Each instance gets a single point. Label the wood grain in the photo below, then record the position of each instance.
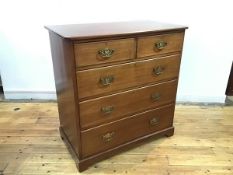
(206, 148)
(96, 61)
(127, 75)
(87, 53)
(140, 125)
(146, 45)
(137, 100)
(66, 88)
(112, 29)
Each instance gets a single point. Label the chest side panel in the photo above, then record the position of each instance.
(65, 80)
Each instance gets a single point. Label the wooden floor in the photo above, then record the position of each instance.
(202, 144)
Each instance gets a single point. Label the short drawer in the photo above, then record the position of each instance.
(109, 108)
(110, 135)
(159, 44)
(94, 82)
(104, 52)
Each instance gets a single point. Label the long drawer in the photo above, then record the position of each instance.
(159, 44)
(104, 51)
(109, 108)
(113, 134)
(98, 81)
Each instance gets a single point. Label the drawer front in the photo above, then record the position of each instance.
(109, 108)
(159, 44)
(109, 79)
(108, 136)
(103, 52)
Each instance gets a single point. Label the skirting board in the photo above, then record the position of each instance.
(202, 99)
(51, 95)
(39, 95)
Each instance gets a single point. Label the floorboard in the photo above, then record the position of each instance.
(202, 144)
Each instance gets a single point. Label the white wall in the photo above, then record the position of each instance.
(25, 59)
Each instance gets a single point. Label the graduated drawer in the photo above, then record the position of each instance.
(93, 53)
(159, 44)
(113, 134)
(97, 81)
(109, 108)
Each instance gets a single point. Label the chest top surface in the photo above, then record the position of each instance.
(113, 29)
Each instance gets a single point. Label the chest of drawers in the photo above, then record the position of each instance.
(116, 84)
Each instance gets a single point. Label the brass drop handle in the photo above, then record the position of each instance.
(107, 109)
(158, 70)
(108, 136)
(106, 53)
(154, 121)
(160, 45)
(155, 96)
(107, 80)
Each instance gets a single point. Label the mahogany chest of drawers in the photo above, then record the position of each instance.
(116, 84)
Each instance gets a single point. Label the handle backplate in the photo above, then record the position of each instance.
(155, 96)
(160, 45)
(107, 109)
(106, 53)
(158, 70)
(108, 136)
(154, 121)
(107, 80)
